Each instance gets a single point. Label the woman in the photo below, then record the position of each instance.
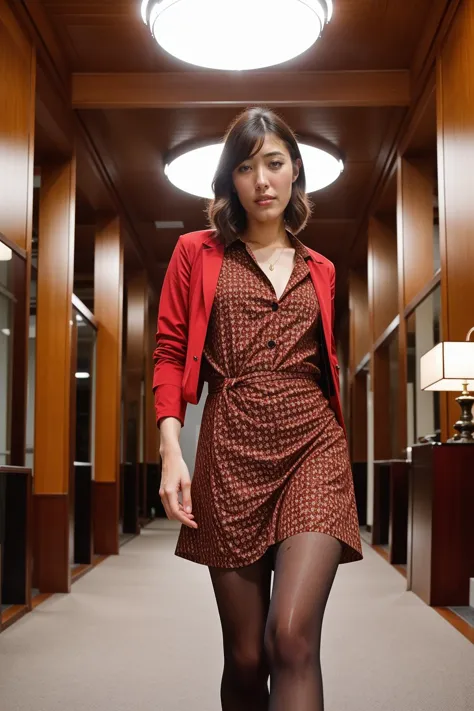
(249, 309)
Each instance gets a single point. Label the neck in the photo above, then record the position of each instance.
(266, 234)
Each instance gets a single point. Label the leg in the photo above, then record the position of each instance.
(243, 598)
(305, 568)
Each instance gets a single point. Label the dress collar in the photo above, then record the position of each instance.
(300, 248)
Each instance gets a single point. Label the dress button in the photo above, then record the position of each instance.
(271, 344)
(195, 357)
(274, 306)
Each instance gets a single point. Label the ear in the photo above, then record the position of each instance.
(296, 168)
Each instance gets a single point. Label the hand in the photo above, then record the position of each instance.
(175, 478)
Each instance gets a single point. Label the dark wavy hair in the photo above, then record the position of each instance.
(244, 139)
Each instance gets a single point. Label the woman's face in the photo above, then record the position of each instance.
(264, 182)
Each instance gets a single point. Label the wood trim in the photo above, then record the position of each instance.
(424, 293)
(206, 89)
(105, 507)
(438, 23)
(84, 311)
(363, 364)
(387, 333)
(402, 332)
(52, 572)
(417, 114)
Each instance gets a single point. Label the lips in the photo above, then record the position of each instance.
(265, 200)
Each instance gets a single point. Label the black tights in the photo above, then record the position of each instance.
(277, 637)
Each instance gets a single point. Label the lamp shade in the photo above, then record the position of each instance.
(448, 366)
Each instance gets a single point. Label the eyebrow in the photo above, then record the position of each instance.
(274, 153)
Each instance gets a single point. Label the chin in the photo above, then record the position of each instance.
(269, 215)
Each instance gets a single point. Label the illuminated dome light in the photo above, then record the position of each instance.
(193, 171)
(221, 34)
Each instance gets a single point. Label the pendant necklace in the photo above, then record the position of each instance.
(272, 266)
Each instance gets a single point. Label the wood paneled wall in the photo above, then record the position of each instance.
(455, 77)
(359, 318)
(17, 121)
(358, 440)
(415, 219)
(382, 277)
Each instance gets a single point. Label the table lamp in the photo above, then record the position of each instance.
(449, 366)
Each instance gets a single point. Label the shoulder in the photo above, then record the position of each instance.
(323, 260)
(192, 240)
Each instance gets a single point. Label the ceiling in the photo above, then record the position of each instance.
(132, 140)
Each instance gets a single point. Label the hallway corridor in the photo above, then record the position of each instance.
(141, 632)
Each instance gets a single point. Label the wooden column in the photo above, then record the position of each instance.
(17, 128)
(53, 377)
(455, 77)
(108, 310)
(17, 121)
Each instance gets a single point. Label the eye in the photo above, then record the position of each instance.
(276, 164)
(243, 168)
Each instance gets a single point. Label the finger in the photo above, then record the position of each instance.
(175, 510)
(185, 512)
(186, 491)
(185, 520)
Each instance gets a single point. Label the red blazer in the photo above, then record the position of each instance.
(185, 306)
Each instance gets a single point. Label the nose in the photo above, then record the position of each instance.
(261, 180)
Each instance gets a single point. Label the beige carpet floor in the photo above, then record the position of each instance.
(141, 633)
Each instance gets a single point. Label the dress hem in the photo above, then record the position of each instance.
(349, 553)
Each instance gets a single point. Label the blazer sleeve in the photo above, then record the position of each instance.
(169, 356)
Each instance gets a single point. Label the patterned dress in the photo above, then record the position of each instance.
(272, 460)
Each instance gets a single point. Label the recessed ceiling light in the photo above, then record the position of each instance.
(193, 172)
(169, 225)
(215, 33)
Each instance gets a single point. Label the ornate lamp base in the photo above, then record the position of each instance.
(465, 425)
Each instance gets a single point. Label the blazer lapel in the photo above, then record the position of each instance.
(322, 288)
(212, 258)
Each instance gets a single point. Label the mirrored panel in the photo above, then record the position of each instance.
(423, 332)
(7, 301)
(84, 375)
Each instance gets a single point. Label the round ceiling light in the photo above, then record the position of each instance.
(193, 171)
(236, 34)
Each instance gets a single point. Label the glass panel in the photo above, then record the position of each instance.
(30, 414)
(85, 379)
(393, 395)
(6, 350)
(423, 332)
